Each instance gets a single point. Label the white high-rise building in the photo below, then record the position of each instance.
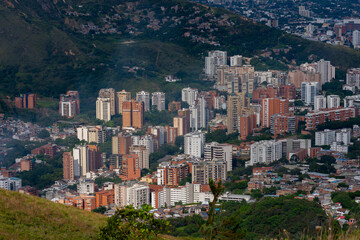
(81, 160)
(353, 77)
(333, 101)
(236, 61)
(265, 152)
(199, 114)
(219, 151)
(319, 103)
(83, 133)
(210, 67)
(132, 193)
(214, 59)
(103, 109)
(325, 137)
(194, 144)
(189, 95)
(343, 136)
(356, 38)
(326, 71)
(148, 142)
(144, 97)
(158, 100)
(308, 91)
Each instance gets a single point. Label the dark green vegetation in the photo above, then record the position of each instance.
(339, 124)
(322, 165)
(130, 223)
(28, 217)
(47, 47)
(266, 218)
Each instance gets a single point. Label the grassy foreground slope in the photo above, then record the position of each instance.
(29, 217)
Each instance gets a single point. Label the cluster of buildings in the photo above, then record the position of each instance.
(330, 23)
(26, 101)
(338, 140)
(268, 151)
(110, 103)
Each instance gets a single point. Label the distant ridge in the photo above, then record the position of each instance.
(43, 48)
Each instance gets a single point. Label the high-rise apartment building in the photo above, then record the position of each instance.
(148, 141)
(92, 134)
(202, 171)
(319, 103)
(282, 124)
(353, 77)
(81, 160)
(133, 114)
(158, 100)
(132, 193)
(271, 106)
(27, 101)
(326, 71)
(265, 152)
(217, 151)
(213, 60)
(247, 123)
(94, 158)
(179, 124)
(69, 104)
(236, 61)
(68, 166)
(333, 101)
(186, 114)
(103, 109)
(130, 169)
(356, 39)
(343, 136)
(325, 137)
(287, 91)
(236, 105)
(328, 137)
(189, 95)
(297, 77)
(308, 92)
(145, 98)
(109, 93)
(121, 144)
(143, 154)
(199, 114)
(121, 97)
(194, 144)
(341, 114)
(172, 173)
(171, 134)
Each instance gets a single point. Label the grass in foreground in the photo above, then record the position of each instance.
(29, 217)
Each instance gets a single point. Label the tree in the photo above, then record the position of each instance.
(43, 134)
(131, 223)
(100, 210)
(209, 229)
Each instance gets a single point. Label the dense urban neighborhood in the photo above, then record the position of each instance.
(262, 133)
(180, 118)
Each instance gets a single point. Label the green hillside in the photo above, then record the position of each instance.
(29, 217)
(49, 47)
